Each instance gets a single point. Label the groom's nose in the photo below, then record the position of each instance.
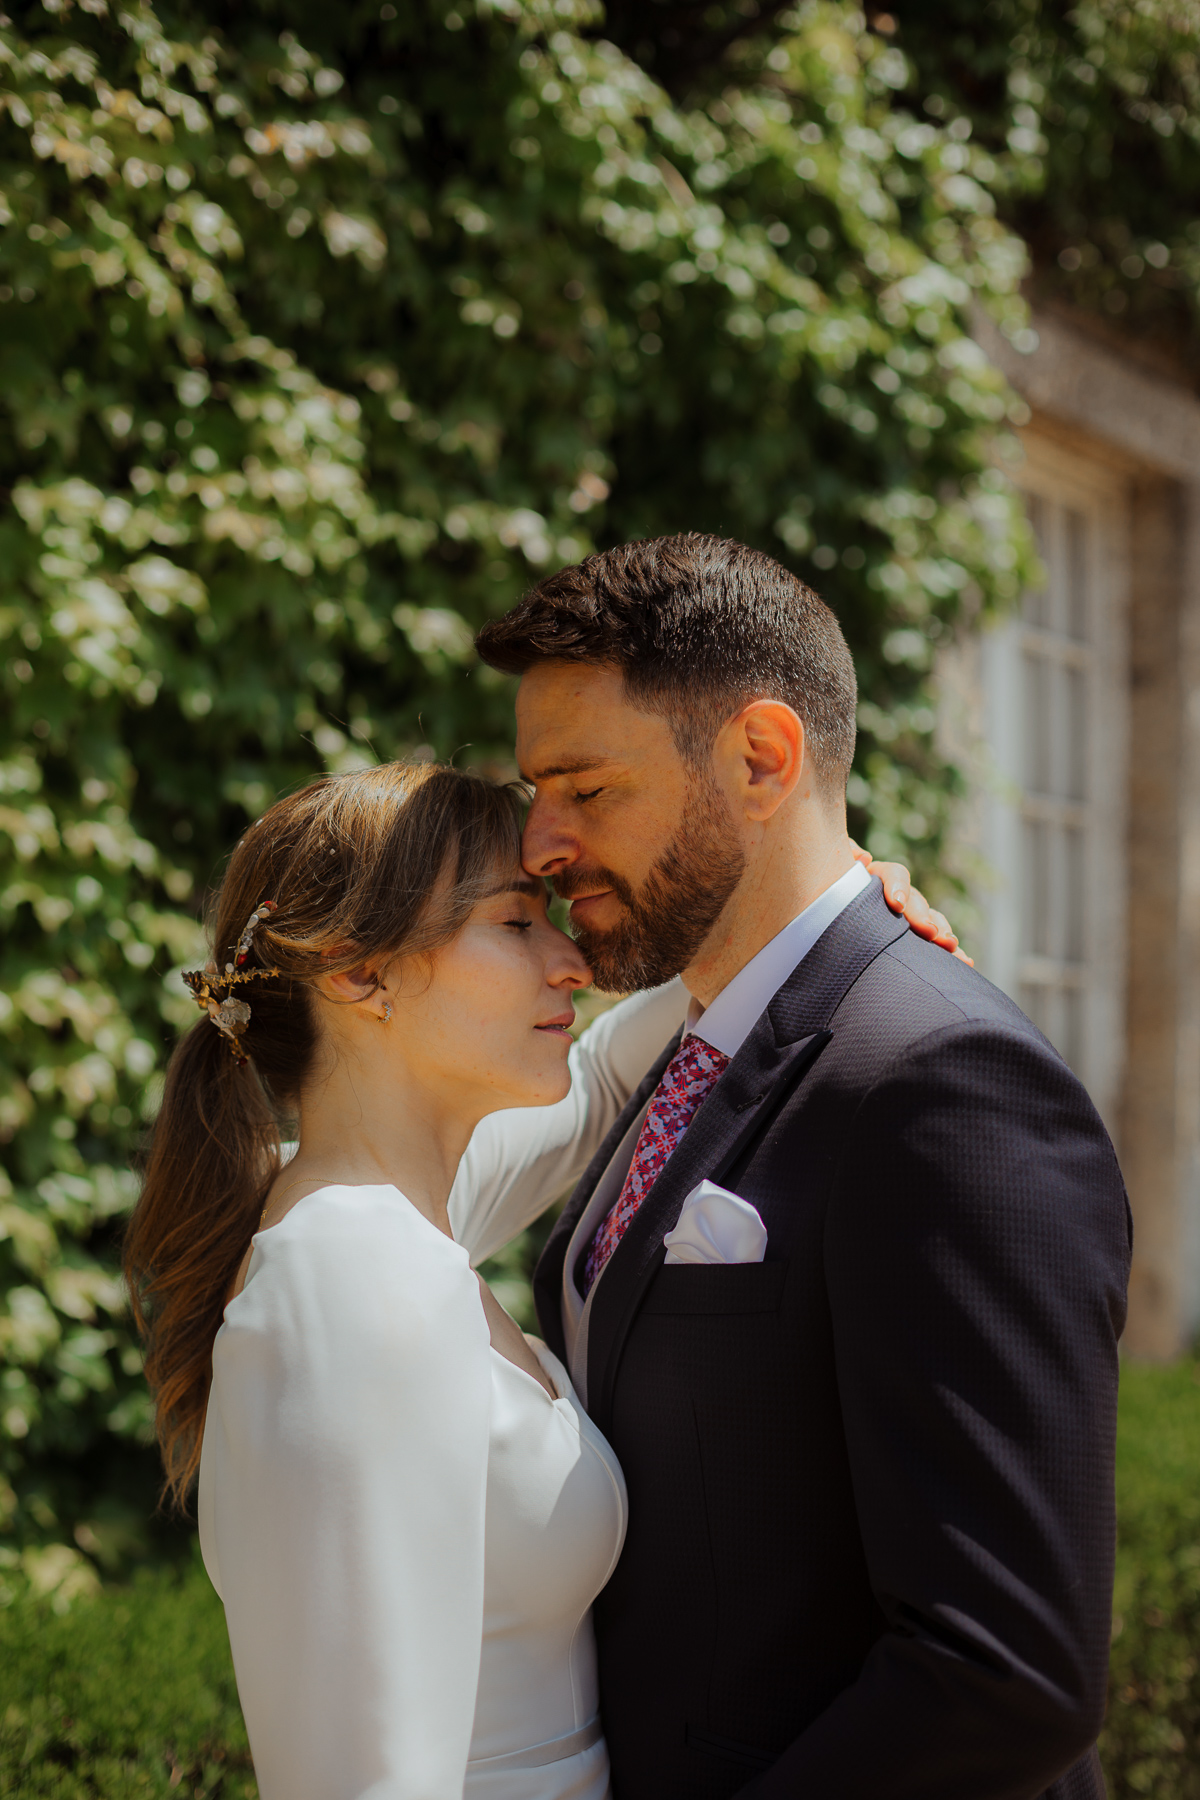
(547, 846)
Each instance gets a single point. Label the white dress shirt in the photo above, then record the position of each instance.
(725, 1025)
(728, 1022)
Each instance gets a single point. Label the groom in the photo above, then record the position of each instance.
(871, 1475)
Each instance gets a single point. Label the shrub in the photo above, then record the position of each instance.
(1151, 1743)
(131, 1691)
(127, 1694)
(1092, 115)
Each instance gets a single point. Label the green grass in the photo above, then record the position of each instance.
(132, 1693)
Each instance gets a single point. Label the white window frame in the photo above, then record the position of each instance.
(1064, 479)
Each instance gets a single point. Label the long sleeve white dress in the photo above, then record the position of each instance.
(406, 1530)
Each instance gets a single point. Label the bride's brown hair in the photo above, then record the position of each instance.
(363, 868)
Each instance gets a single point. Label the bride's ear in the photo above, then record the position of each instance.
(354, 984)
(351, 986)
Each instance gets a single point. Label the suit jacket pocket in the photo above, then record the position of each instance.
(747, 1754)
(717, 1288)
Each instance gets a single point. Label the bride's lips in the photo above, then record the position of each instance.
(559, 1026)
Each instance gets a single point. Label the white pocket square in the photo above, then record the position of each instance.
(716, 1226)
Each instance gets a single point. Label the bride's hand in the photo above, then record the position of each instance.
(903, 897)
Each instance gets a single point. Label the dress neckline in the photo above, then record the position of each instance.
(558, 1398)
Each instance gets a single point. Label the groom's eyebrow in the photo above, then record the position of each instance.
(580, 766)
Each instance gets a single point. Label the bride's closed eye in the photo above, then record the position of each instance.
(520, 924)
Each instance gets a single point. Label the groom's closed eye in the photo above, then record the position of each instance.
(590, 795)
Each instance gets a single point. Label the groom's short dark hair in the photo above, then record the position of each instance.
(698, 626)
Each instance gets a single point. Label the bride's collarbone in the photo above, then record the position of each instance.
(509, 1341)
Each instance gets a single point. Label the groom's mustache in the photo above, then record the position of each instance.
(570, 883)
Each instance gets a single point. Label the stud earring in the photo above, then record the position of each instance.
(387, 1013)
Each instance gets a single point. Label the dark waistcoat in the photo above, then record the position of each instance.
(871, 1533)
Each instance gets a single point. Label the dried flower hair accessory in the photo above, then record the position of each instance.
(252, 924)
(230, 1015)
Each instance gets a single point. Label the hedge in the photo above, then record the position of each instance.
(125, 1695)
(1152, 1742)
(130, 1691)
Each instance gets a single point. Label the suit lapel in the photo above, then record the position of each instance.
(548, 1275)
(732, 1114)
(776, 1056)
(816, 987)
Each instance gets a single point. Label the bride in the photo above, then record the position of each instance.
(402, 1506)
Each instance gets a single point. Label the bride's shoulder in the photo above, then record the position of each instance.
(356, 1310)
(364, 1255)
(349, 1211)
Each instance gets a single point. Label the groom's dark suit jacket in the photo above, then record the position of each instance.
(870, 1479)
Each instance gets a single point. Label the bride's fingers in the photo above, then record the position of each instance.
(861, 855)
(902, 897)
(919, 914)
(924, 921)
(936, 927)
(946, 937)
(897, 882)
(928, 923)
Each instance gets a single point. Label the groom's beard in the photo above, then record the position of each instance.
(668, 918)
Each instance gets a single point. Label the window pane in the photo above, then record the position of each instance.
(1058, 1014)
(1040, 1003)
(1070, 1041)
(1036, 916)
(1033, 1001)
(1075, 689)
(1036, 695)
(1034, 600)
(1074, 933)
(1076, 621)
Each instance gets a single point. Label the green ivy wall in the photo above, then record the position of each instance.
(323, 331)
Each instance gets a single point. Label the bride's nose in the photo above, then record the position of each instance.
(566, 968)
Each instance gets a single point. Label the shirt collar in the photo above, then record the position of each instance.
(728, 1022)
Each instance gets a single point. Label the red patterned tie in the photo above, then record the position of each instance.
(686, 1080)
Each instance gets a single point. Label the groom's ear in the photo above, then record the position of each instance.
(761, 750)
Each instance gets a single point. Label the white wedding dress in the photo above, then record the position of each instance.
(406, 1530)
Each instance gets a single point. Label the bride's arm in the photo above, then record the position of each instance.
(342, 1500)
(518, 1162)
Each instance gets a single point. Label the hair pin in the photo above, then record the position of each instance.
(230, 1015)
(261, 912)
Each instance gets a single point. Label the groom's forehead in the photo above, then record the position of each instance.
(575, 717)
(587, 689)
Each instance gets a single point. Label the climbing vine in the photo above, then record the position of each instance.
(323, 331)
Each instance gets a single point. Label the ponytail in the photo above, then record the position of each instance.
(212, 1160)
(346, 875)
